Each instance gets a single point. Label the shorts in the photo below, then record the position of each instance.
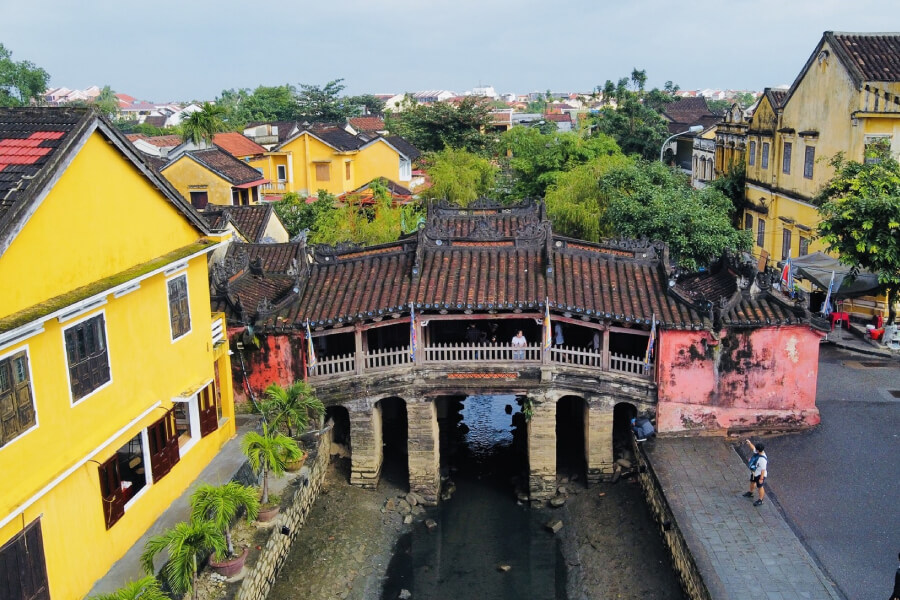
(756, 479)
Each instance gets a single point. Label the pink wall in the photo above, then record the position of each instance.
(754, 378)
(273, 362)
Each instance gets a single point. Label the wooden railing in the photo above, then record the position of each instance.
(334, 365)
(484, 353)
(218, 328)
(387, 358)
(443, 354)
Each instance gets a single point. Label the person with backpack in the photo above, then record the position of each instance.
(758, 463)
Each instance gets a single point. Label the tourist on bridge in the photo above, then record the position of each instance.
(473, 335)
(759, 463)
(519, 341)
(642, 428)
(558, 333)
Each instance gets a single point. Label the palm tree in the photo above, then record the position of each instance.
(202, 125)
(269, 452)
(187, 544)
(293, 405)
(221, 504)
(146, 588)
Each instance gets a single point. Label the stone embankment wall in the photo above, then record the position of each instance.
(261, 576)
(691, 581)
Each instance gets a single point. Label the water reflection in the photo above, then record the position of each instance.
(482, 527)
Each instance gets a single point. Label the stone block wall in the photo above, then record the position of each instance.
(424, 451)
(691, 581)
(261, 575)
(542, 449)
(367, 453)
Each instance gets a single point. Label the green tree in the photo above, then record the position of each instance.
(373, 223)
(146, 588)
(293, 406)
(441, 125)
(201, 126)
(296, 214)
(860, 211)
(107, 103)
(272, 103)
(459, 176)
(221, 504)
(187, 544)
(537, 159)
(732, 184)
(577, 205)
(20, 82)
(650, 200)
(269, 452)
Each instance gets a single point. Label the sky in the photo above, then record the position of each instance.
(197, 48)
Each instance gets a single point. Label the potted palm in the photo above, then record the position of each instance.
(187, 545)
(290, 409)
(268, 452)
(221, 504)
(146, 588)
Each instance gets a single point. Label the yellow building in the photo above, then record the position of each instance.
(115, 380)
(213, 176)
(731, 140)
(846, 98)
(327, 157)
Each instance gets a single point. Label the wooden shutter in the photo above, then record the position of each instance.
(209, 418)
(16, 405)
(111, 490)
(323, 171)
(163, 446)
(23, 570)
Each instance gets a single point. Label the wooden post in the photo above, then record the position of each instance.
(360, 358)
(605, 358)
(420, 337)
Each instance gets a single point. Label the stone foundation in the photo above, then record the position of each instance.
(367, 452)
(542, 449)
(261, 575)
(424, 451)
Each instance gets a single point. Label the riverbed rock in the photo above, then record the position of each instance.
(615, 476)
(537, 504)
(522, 497)
(504, 568)
(557, 501)
(411, 499)
(624, 463)
(407, 519)
(564, 479)
(430, 524)
(405, 594)
(562, 490)
(390, 504)
(403, 507)
(554, 525)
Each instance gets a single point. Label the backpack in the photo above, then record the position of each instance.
(753, 460)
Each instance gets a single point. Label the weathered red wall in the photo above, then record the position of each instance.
(277, 360)
(759, 378)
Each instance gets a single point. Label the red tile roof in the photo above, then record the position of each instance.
(164, 141)
(250, 221)
(875, 56)
(234, 171)
(237, 145)
(367, 123)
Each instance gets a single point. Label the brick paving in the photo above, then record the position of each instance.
(742, 551)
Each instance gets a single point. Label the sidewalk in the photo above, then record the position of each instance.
(221, 469)
(857, 340)
(742, 551)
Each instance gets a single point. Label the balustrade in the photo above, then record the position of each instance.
(443, 354)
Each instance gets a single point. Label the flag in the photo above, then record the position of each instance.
(548, 335)
(826, 306)
(650, 343)
(310, 352)
(787, 277)
(412, 332)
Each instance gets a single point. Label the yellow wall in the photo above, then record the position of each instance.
(125, 222)
(187, 175)
(377, 160)
(100, 218)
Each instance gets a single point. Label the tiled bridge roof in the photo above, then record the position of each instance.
(482, 258)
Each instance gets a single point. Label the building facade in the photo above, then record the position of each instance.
(115, 381)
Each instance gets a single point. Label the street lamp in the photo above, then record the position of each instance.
(691, 129)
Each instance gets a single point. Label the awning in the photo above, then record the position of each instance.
(252, 183)
(817, 268)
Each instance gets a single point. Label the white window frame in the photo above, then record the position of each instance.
(148, 479)
(405, 169)
(72, 401)
(193, 420)
(281, 172)
(27, 351)
(169, 306)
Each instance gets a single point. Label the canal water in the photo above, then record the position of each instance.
(487, 543)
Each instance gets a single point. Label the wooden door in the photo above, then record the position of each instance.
(23, 570)
(209, 417)
(163, 440)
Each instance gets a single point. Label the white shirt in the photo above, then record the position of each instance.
(519, 340)
(761, 465)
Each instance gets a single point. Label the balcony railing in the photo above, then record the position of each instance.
(274, 186)
(387, 359)
(218, 328)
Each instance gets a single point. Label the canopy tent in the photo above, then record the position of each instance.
(817, 268)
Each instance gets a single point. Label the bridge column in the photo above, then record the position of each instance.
(542, 448)
(599, 439)
(367, 452)
(424, 450)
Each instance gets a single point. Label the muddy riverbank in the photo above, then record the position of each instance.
(608, 547)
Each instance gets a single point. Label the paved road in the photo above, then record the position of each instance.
(839, 485)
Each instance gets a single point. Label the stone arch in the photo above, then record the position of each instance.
(394, 422)
(339, 418)
(623, 412)
(572, 420)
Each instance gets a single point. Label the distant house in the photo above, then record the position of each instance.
(308, 158)
(563, 121)
(213, 176)
(704, 157)
(682, 115)
(367, 124)
(157, 146)
(254, 223)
